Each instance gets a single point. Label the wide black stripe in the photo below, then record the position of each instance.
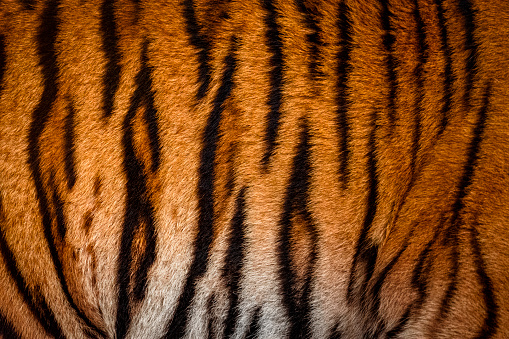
(69, 146)
(35, 301)
(46, 39)
(388, 42)
(178, 323)
(254, 328)
(471, 47)
(234, 262)
(489, 327)
(448, 72)
(296, 205)
(7, 329)
(139, 211)
(111, 77)
(200, 42)
(343, 101)
(274, 100)
(363, 263)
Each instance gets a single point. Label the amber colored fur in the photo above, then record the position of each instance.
(142, 196)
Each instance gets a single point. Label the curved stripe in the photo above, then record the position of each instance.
(177, 324)
(139, 211)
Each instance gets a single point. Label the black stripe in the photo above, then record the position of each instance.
(489, 327)
(388, 42)
(420, 278)
(471, 47)
(364, 260)
(336, 333)
(422, 58)
(274, 100)
(111, 77)
(200, 42)
(7, 329)
(178, 323)
(3, 62)
(139, 211)
(448, 73)
(343, 101)
(234, 262)
(296, 204)
(254, 327)
(28, 4)
(313, 38)
(69, 146)
(452, 232)
(36, 301)
(46, 39)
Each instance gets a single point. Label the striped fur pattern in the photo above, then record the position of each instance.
(254, 169)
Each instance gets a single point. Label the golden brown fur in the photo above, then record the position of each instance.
(379, 210)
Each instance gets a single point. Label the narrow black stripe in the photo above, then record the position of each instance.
(254, 327)
(296, 204)
(343, 101)
(420, 277)
(422, 58)
(234, 262)
(139, 211)
(69, 146)
(144, 82)
(388, 42)
(448, 72)
(336, 333)
(200, 42)
(364, 260)
(46, 39)
(3, 62)
(274, 100)
(58, 205)
(7, 329)
(313, 38)
(178, 322)
(452, 232)
(111, 76)
(36, 303)
(471, 47)
(489, 327)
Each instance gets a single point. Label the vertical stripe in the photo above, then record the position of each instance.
(46, 39)
(296, 204)
(178, 322)
(489, 327)
(111, 77)
(69, 145)
(388, 42)
(234, 262)
(254, 328)
(139, 211)
(452, 232)
(313, 38)
(471, 47)
(364, 259)
(448, 73)
(343, 102)
(202, 44)
(422, 58)
(274, 99)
